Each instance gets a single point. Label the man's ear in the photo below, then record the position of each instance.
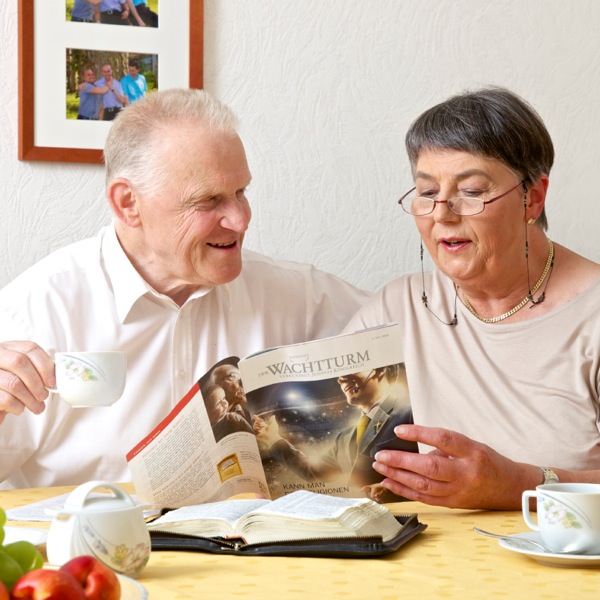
(536, 197)
(122, 200)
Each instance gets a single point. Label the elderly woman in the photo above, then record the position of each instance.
(502, 341)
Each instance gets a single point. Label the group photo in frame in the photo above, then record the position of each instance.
(79, 66)
(100, 83)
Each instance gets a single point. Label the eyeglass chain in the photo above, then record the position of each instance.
(425, 300)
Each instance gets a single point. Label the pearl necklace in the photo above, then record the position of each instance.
(528, 298)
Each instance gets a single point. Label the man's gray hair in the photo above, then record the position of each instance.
(131, 148)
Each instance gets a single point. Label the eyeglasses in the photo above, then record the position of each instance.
(465, 206)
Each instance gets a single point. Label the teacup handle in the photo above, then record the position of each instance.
(527, 494)
(53, 390)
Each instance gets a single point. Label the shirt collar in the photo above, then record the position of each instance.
(374, 408)
(128, 285)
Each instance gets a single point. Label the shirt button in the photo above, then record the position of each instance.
(181, 373)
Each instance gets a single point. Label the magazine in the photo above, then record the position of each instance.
(308, 416)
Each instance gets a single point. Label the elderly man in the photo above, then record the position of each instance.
(168, 283)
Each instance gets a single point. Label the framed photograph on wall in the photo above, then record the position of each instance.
(78, 66)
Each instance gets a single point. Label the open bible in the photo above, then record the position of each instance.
(308, 416)
(299, 523)
(300, 515)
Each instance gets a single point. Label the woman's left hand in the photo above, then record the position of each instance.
(460, 472)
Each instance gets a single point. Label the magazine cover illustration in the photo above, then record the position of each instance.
(323, 435)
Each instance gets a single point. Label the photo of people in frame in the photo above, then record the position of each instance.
(100, 83)
(137, 13)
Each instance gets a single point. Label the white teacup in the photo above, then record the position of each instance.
(568, 516)
(90, 378)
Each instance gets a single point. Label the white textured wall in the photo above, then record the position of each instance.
(325, 90)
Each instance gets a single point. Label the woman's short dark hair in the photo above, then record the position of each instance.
(492, 122)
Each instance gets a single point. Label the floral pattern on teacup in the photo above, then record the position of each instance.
(75, 370)
(132, 560)
(122, 558)
(557, 514)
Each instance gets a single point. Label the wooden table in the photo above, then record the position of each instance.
(447, 560)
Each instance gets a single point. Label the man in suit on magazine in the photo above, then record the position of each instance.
(382, 396)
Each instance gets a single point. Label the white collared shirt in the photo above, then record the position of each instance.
(88, 296)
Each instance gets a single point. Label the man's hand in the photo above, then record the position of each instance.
(25, 371)
(459, 473)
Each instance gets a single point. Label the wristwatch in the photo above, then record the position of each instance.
(549, 475)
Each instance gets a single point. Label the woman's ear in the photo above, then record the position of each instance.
(122, 200)
(536, 197)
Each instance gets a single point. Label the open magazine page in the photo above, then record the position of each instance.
(195, 456)
(322, 410)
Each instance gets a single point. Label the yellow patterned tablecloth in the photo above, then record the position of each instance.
(447, 560)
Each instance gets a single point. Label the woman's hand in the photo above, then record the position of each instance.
(459, 473)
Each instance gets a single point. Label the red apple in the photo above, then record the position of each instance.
(99, 581)
(3, 592)
(47, 584)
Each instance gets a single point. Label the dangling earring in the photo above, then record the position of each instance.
(547, 269)
(529, 222)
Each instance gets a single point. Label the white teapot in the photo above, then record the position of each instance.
(111, 528)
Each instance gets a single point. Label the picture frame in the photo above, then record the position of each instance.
(46, 38)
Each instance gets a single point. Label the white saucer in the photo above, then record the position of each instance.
(132, 589)
(548, 558)
(27, 534)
